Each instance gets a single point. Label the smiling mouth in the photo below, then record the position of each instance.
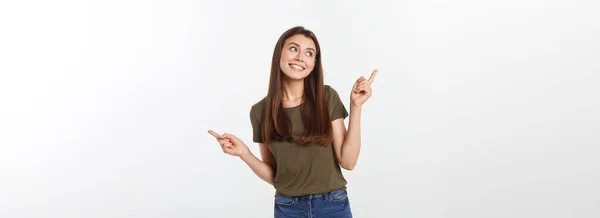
(296, 67)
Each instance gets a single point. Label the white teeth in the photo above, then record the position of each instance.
(296, 67)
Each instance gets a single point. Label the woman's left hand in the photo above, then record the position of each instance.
(361, 91)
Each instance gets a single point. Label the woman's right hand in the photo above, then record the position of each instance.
(230, 144)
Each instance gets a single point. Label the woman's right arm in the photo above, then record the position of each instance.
(264, 169)
(232, 145)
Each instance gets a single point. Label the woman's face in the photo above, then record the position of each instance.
(298, 57)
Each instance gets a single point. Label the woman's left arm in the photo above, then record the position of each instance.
(347, 143)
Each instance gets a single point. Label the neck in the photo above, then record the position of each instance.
(292, 89)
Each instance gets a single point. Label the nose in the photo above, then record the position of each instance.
(298, 57)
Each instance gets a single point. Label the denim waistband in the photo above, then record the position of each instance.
(325, 195)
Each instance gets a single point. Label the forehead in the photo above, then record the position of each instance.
(301, 40)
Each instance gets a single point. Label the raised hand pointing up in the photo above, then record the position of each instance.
(361, 91)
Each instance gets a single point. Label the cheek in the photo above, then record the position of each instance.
(283, 58)
(310, 64)
(285, 55)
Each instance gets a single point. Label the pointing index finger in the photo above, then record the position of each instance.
(216, 135)
(372, 77)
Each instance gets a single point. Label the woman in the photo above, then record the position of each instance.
(303, 164)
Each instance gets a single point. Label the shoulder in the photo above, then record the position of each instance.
(260, 104)
(258, 107)
(329, 89)
(334, 103)
(330, 92)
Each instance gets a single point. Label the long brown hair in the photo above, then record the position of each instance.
(315, 116)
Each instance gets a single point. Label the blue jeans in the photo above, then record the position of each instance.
(331, 204)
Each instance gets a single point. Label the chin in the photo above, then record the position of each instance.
(294, 75)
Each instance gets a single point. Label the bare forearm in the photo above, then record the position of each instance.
(351, 145)
(261, 169)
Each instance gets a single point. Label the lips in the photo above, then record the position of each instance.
(296, 67)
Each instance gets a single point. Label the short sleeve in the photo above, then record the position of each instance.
(256, 115)
(334, 104)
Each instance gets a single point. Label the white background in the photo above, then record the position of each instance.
(480, 108)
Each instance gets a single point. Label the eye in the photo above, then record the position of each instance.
(309, 54)
(293, 49)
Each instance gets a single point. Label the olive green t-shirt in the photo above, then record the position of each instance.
(303, 169)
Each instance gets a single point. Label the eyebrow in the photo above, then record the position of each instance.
(299, 46)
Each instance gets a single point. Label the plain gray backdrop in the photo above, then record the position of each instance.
(479, 109)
